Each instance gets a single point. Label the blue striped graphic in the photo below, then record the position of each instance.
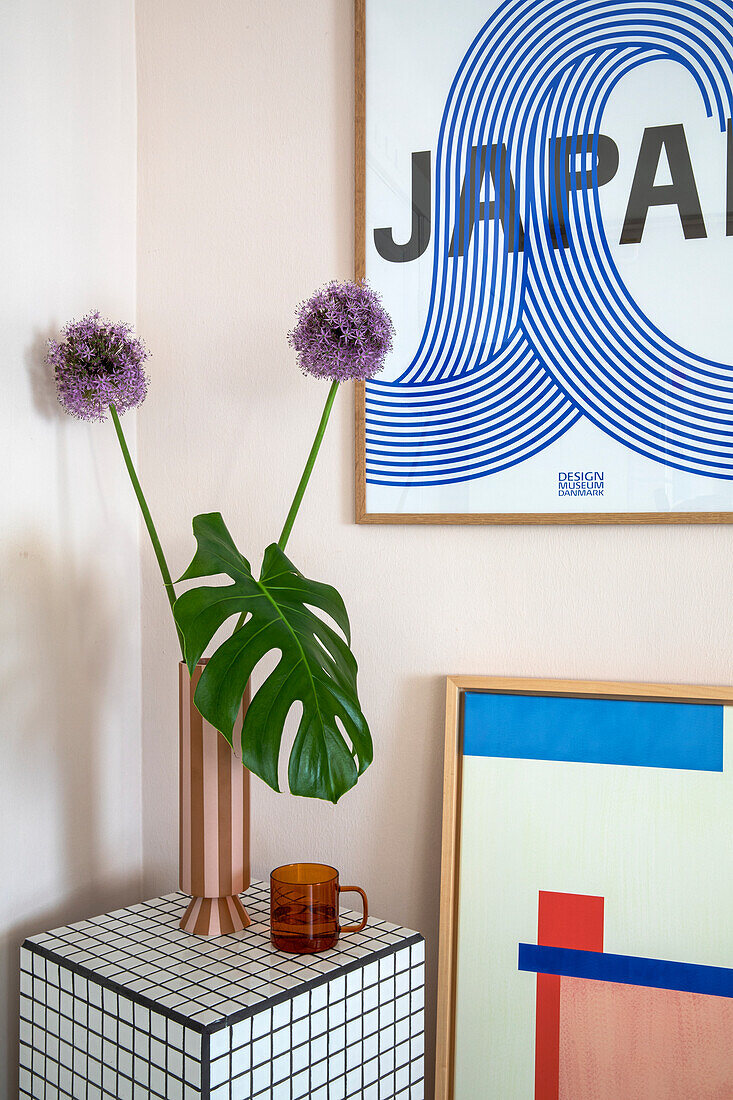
(600, 966)
(518, 345)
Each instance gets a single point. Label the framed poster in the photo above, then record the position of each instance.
(586, 946)
(544, 199)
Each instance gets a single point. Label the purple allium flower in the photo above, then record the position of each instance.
(343, 332)
(96, 364)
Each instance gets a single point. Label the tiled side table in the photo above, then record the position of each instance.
(126, 1006)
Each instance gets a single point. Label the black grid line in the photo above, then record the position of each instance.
(345, 1025)
(140, 952)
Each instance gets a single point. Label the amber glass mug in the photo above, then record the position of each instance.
(304, 908)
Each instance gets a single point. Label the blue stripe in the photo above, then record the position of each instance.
(712, 981)
(594, 731)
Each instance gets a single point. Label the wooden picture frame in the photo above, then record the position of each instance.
(719, 510)
(461, 688)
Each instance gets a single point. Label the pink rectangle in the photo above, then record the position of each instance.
(633, 1041)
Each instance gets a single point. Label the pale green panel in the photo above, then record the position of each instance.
(655, 843)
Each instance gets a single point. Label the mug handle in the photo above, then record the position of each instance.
(355, 927)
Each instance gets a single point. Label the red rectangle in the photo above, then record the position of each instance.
(563, 920)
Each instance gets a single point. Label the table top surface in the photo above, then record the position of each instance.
(140, 951)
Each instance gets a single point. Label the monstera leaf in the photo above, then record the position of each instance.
(316, 666)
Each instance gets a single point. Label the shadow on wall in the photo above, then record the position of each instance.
(54, 656)
(40, 375)
(56, 650)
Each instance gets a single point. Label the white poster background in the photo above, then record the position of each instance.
(413, 49)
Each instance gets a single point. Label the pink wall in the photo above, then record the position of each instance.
(245, 206)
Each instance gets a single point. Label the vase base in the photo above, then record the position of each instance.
(215, 917)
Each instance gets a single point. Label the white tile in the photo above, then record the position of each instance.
(370, 1022)
(261, 1077)
(336, 989)
(157, 1080)
(300, 1032)
(80, 1037)
(417, 1023)
(241, 1059)
(281, 1067)
(417, 952)
(354, 1056)
(386, 990)
(402, 959)
(371, 1070)
(192, 1071)
(205, 1017)
(261, 1050)
(355, 1029)
(354, 981)
(220, 1070)
(387, 1037)
(319, 1048)
(219, 1042)
(319, 1022)
(300, 1057)
(402, 1078)
(281, 1014)
(386, 966)
(371, 973)
(241, 1032)
(318, 1074)
(402, 1030)
(261, 1024)
(386, 1061)
(300, 1085)
(353, 1082)
(157, 1025)
(402, 1054)
(157, 1052)
(141, 1070)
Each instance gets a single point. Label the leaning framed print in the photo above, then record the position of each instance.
(544, 200)
(586, 945)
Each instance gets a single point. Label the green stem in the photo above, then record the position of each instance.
(164, 571)
(303, 484)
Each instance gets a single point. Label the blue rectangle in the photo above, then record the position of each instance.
(713, 981)
(594, 731)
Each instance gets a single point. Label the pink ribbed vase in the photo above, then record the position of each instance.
(213, 818)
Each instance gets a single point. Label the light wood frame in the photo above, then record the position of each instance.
(457, 686)
(360, 510)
